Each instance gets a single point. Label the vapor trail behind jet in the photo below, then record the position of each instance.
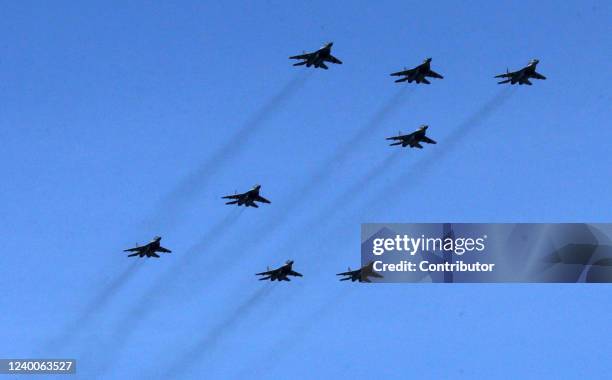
(164, 286)
(173, 204)
(324, 171)
(344, 200)
(376, 120)
(294, 336)
(209, 341)
(97, 303)
(423, 166)
(321, 174)
(372, 177)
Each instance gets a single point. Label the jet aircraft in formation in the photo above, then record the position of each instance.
(317, 58)
(360, 274)
(418, 74)
(247, 199)
(523, 75)
(148, 250)
(279, 274)
(413, 139)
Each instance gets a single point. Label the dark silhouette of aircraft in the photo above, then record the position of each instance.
(279, 274)
(413, 139)
(523, 75)
(247, 199)
(418, 74)
(317, 58)
(148, 250)
(360, 274)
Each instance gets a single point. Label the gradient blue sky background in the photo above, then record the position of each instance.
(122, 121)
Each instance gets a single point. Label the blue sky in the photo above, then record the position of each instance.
(123, 121)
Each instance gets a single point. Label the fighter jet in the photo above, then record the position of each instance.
(418, 73)
(317, 58)
(149, 249)
(413, 139)
(360, 274)
(247, 199)
(279, 274)
(522, 76)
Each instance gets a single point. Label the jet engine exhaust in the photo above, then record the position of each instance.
(173, 204)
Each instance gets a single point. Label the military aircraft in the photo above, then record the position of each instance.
(413, 139)
(247, 199)
(149, 249)
(317, 58)
(418, 74)
(279, 274)
(360, 274)
(522, 76)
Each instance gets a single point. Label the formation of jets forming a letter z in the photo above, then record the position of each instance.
(319, 59)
